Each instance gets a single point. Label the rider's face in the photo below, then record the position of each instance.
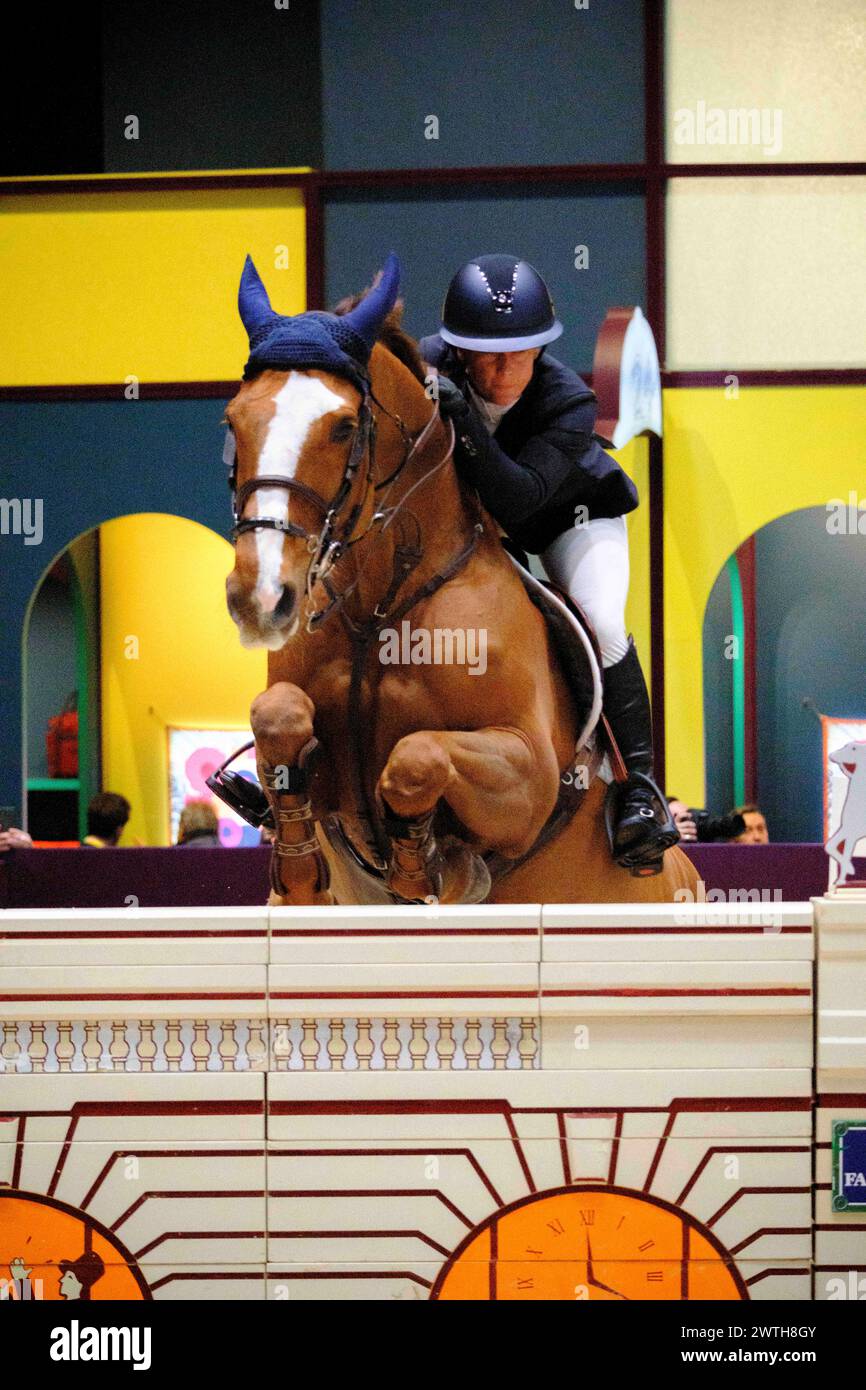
(500, 377)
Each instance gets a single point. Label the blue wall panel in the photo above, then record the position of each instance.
(539, 83)
(90, 462)
(434, 232)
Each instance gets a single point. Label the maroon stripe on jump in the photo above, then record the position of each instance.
(392, 1153)
(771, 1231)
(755, 1192)
(738, 1148)
(146, 1107)
(149, 995)
(733, 929)
(136, 935)
(163, 1153)
(768, 1273)
(302, 1194)
(198, 1235)
(563, 1148)
(685, 1104)
(359, 1235)
(333, 1274)
(207, 1274)
(19, 1150)
(182, 1196)
(665, 993)
(299, 934)
(432, 993)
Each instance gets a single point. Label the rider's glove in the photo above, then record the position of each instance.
(471, 436)
(453, 405)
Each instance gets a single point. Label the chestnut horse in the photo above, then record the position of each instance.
(354, 532)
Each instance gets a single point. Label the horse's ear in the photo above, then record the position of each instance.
(368, 316)
(254, 306)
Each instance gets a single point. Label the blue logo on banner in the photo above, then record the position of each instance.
(849, 1165)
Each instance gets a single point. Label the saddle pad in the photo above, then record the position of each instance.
(570, 640)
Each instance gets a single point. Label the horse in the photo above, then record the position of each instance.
(852, 824)
(406, 778)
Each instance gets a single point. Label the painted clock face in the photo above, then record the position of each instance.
(590, 1242)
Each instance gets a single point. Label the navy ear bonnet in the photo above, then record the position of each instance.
(328, 342)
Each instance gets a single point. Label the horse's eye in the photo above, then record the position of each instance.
(343, 430)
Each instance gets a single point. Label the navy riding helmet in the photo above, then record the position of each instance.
(498, 304)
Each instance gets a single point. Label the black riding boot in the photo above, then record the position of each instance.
(642, 828)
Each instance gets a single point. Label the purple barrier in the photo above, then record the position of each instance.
(155, 877)
(239, 877)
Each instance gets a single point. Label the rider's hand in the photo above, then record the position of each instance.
(453, 405)
(13, 838)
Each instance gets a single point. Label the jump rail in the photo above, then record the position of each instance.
(345, 1103)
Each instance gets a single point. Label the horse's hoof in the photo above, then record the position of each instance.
(473, 881)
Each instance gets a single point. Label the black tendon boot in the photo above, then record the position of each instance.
(639, 822)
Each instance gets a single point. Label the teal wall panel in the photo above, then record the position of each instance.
(539, 83)
(435, 230)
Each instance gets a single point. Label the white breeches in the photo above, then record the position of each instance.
(591, 563)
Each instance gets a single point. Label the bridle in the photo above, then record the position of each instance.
(336, 535)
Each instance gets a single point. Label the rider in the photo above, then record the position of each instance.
(524, 427)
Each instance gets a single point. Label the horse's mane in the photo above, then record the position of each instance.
(393, 335)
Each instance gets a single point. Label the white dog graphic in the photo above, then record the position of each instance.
(852, 826)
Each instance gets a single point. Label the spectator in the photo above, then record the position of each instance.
(199, 826)
(682, 818)
(107, 815)
(756, 832)
(13, 838)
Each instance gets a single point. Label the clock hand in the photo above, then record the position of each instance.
(595, 1283)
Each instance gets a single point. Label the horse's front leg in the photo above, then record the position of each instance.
(501, 785)
(281, 719)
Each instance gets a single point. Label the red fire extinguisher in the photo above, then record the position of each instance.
(61, 740)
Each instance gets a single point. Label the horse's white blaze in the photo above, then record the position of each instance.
(299, 404)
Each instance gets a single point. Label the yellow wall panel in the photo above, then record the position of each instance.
(766, 272)
(804, 60)
(170, 656)
(100, 286)
(731, 466)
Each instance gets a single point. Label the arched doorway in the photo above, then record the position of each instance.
(131, 618)
(784, 639)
